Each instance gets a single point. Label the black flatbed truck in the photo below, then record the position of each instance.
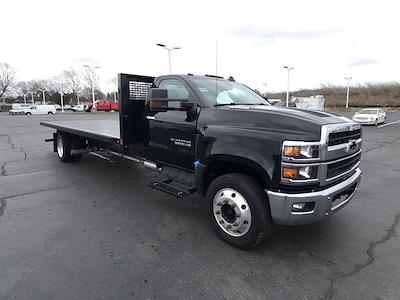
(255, 164)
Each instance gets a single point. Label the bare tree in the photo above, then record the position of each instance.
(58, 84)
(73, 82)
(114, 82)
(92, 80)
(7, 77)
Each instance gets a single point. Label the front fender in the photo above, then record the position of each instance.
(254, 147)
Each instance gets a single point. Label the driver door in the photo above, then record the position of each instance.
(172, 133)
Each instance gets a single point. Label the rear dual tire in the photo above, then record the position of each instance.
(238, 210)
(64, 147)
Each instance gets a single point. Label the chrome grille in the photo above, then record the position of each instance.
(337, 138)
(340, 167)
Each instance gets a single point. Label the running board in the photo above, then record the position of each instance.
(167, 187)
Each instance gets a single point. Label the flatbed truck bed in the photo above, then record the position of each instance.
(107, 131)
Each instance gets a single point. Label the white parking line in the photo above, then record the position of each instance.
(387, 124)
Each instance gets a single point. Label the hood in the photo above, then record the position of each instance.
(316, 117)
(291, 123)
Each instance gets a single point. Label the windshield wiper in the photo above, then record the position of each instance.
(223, 104)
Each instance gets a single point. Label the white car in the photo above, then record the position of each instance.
(81, 107)
(372, 116)
(35, 110)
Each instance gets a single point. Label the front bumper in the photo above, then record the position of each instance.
(325, 202)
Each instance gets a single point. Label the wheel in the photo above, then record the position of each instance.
(49, 113)
(238, 210)
(64, 148)
(376, 122)
(28, 113)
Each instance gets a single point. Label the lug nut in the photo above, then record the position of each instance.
(217, 212)
(221, 222)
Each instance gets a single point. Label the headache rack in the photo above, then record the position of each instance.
(133, 91)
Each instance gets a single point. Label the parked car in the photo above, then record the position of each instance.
(57, 107)
(81, 108)
(67, 107)
(371, 116)
(107, 105)
(35, 110)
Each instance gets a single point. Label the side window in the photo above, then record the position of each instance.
(176, 89)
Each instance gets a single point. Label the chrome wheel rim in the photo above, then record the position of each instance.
(232, 212)
(60, 148)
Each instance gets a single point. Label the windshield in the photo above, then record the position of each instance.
(368, 111)
(219, 91)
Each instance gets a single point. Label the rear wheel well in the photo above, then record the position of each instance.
(218, 168)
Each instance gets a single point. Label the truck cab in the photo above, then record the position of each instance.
(304, 163)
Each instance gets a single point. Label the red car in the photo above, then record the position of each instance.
(106, 105)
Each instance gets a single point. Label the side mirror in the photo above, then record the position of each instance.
(159, 101)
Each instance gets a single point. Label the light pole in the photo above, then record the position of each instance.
(33, 101)
(44, 95)
(62, 98)
(348, 90)
(91, 69)
(169, 49)
(287, 91)
(265, 87)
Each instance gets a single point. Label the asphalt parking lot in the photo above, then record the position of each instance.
(94, 229)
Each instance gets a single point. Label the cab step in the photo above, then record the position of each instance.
(174, 188)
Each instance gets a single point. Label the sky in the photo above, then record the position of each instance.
(324, 41)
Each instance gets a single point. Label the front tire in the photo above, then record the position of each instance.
(238, 210)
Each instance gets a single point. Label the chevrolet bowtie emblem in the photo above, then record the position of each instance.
(351, 145)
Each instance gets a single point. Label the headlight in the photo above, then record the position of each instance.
(305, 151)
(300, 172)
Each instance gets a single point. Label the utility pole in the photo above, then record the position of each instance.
(287, 91)
(24, 99)
(62, 100)
(169, 49)
(348, 90)
(44, 96)
(265, 88)
(33, 101)
(91, 69)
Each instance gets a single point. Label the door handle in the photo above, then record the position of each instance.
(150, 117)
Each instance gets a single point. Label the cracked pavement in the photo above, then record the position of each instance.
(95, 230)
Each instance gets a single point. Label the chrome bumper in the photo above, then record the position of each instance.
(281, 203)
